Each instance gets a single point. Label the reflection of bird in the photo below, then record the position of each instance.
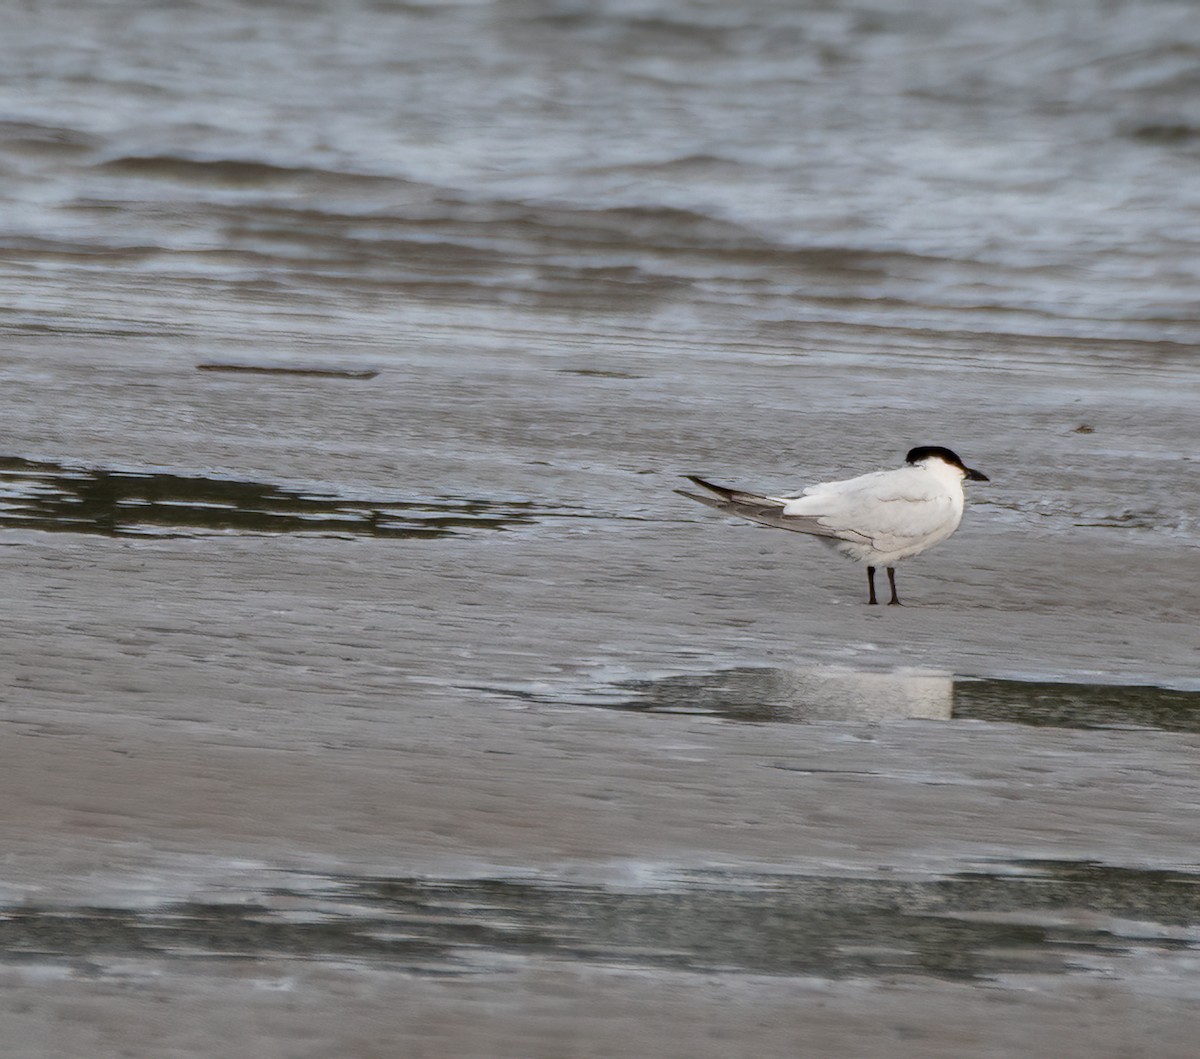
(877, 518)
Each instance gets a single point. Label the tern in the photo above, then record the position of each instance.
(877, 518)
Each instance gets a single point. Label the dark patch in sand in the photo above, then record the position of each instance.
(1051, 705)
(263, 369)
(596, 373)
(55, 497)
(1027, 917)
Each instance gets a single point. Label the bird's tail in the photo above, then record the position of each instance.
(767, 510)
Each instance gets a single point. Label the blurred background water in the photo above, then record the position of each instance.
(847, 176)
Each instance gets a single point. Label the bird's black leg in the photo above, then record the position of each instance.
(871, 583)
(895, 600)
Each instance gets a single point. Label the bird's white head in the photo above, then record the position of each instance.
(934, 456)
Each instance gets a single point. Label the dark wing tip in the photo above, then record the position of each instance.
(712, 487)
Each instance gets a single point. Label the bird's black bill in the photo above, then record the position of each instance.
(976, 476)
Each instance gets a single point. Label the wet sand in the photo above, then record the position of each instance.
(203, 719)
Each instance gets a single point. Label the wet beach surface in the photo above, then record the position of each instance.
(367, 689)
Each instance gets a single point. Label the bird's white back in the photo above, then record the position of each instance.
(886, 516)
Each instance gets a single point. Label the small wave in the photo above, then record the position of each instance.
(1167, 132)
(32, 137)
(701, 163)
(229, 172)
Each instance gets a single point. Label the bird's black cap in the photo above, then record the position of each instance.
(925, 452)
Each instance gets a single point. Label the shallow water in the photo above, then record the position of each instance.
(1060, 918)
(56, 498)
(356, 645)
(795, 696)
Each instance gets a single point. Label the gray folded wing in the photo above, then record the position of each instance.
(765, 510)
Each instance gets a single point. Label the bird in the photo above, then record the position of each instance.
(878, 518)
